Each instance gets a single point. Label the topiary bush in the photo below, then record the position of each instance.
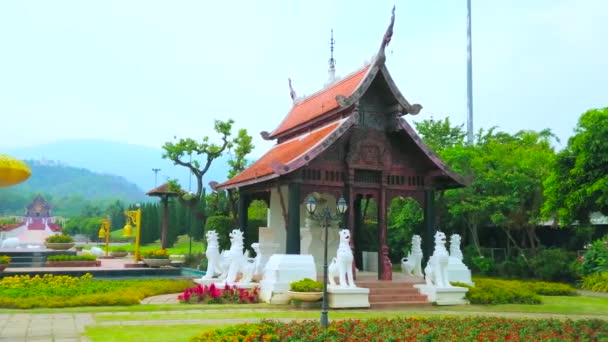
(65, 257)
(62, 238)
(222, 225)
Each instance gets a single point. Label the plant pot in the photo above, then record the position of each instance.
(305, 296)
(3, 266)
(119, 254)
(157, 262)
(59, 246)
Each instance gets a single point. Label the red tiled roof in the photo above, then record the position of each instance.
(282, 153)
(320, 103)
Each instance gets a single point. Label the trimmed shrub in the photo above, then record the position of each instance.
(222, 225)
(66, 257)
(63, 238)
(306, 285)
(494, 291)
(596, 282)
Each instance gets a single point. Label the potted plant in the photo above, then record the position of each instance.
(4, 261)
(306, 290)
(59, 242)
(157, 258)
(119, 252)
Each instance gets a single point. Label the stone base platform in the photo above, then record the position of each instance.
(347, 297)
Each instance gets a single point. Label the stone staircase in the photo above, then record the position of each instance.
(398, 293)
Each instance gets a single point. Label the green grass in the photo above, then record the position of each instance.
(554, 305)
(146, 333)
(181, 246)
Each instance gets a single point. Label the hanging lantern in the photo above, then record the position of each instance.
(12, 171)
(127, 231)
(102, 232)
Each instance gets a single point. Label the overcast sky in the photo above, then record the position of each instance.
(144, 71)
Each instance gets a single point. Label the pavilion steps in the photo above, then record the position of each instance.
(393, 294)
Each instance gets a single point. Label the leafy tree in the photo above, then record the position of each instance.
(440, 134)
(204, 150)
(404, 218)
(578, 185)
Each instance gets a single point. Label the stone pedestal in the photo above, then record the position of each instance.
(453, 295)
(245, 286)
(370, 261)
(459, 272)
(347, 297)
(280, 271)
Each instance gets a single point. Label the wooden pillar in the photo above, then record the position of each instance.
(358, 227)
(292, 243)
(429, 224)
(243, 215)
(385, 271)
(163, 234)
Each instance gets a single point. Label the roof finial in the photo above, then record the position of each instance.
(388, 34)
(332, 62)
(292, 92)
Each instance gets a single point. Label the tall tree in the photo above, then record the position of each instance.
(238, 162)
(578, 185)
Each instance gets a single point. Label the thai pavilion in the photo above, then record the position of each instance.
(348, 139)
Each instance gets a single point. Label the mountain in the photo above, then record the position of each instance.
(68, 189)
(133, 162)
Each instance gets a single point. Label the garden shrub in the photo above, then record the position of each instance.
(495, 291)
(595, 258)
(482, 265)
(414, 329)
(306, 285)
(5, 259)
(67, 257)
(211, 294)
(596, 282)
(553, 264)
(49, 291)
(62, 238)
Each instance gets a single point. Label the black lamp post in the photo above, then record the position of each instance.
(325, 217)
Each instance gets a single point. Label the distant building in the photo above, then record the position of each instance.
(38, 208)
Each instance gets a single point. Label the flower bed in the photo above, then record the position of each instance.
(49, 291)
(215, 295)
(415, 329)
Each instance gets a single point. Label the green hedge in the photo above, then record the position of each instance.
(66, 257)
(495, 291)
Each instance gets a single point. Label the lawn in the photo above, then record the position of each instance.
(140, 325)
(181, 246)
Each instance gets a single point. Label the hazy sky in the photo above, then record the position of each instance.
(144, 71)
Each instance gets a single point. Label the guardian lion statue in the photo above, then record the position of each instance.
(238, 262)
(214, 262)
(342, 265)
(412, 264)
(436, 268)
(455, 251)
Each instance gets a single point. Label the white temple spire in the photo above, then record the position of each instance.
(332, 62)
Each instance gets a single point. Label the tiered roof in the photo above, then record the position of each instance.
(316, 121)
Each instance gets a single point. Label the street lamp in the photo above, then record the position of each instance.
(104, 233)
(325, 217)
(133, 216)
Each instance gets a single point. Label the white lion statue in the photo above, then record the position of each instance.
(342, 265)
(214, 262)
(238, 262)
(12, 242)
(455, 251)
(436, 268)
(412, 264)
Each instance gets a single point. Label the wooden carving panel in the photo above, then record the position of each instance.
(369, 150)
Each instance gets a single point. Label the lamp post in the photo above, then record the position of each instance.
(325, 217)
(104, 233)
(133, 216)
